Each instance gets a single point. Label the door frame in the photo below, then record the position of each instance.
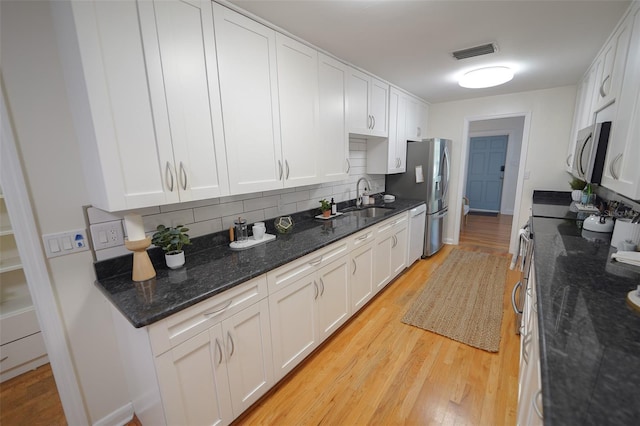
(506, 155)
(464, 154)
(36, 273)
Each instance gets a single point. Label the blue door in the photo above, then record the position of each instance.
(486, 172)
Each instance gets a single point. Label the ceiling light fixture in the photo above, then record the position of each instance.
(486, 77)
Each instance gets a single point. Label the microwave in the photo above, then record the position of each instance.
(590, 152)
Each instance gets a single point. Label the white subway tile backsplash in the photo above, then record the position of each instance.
(217, 214)
(295, 197)
(220, 210)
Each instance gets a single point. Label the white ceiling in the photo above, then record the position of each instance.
(550, 43)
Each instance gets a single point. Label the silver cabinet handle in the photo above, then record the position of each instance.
(208, 314)
(513, 297)
(315, 285)
(569, 159)
(286, 163)
(602, 91)
(370, 126)
(535, 405)
(581, 170)
(233, 346)
(612, 166)
(168, 174)
(525, 342)
(219, 348)
(316, 262)
(355, 266)
(395, 241)
(348, 166)
(322, 285)
(374, 122)
(363, 237)
(4, 358)
(280, 168)
(183, 176)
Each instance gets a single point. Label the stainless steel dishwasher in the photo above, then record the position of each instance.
(417, 219)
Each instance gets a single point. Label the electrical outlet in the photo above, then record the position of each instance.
(107, 234)
(63, 243)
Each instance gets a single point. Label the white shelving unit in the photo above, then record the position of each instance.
(21, 344)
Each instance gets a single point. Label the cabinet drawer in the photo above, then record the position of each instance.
(389, 225)
(292, 271)
(179, 327)
(17, 325)
(21, 351)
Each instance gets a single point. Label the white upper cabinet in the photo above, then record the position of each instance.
(249, 93)
(387, 156)
(149, 136)
(187, 78)
(416, 123)
(299, 114)
(621, 172)
(334, 136)
(367, 100)
(610, 66)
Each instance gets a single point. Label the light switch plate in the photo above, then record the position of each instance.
(67, 242)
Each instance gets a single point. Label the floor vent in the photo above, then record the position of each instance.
(484, 49)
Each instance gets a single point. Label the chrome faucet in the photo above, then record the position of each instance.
(358, 196)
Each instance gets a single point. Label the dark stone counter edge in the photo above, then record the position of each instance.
(400, 206)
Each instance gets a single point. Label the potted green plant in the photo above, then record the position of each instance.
(171, 240)
(577, 185)
(325, 208)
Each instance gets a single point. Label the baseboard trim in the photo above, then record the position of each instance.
(120, 417)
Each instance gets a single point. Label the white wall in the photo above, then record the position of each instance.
(513, 127)
(547, 139)
(38, 107)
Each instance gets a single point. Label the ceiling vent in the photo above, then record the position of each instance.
(484, 49)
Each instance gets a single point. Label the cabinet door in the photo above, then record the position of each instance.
(386, 156)
(333, 302)
(399, 251)
(246, 52)
(621, 172)
(613, 58)
(382, 272)
(104, 56)
(360, 121)
(249, 357)
(361, 281)
(193, 381)
(294, 328)
(334, 136)
(379, 102)
(187, 52)
(298, 97)
(412, 125)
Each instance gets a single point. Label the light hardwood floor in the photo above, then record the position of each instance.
(375, 370)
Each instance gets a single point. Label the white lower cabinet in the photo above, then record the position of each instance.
(390, 254)
(210, 362)
(362, 269)
(213, 377)
(529, 382)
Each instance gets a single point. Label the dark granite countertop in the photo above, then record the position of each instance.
(217, 268)
(589, 336)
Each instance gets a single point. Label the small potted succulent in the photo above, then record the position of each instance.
(325, 208)
(171, 240)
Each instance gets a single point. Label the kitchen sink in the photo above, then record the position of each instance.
(369, 211)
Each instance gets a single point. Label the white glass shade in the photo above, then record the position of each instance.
(486, 77)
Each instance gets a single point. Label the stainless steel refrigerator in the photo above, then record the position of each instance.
(426, 178)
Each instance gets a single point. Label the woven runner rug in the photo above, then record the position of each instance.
(462, 300)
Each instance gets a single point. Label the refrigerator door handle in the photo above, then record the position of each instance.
(448, 162)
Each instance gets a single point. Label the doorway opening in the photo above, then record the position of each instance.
(491, 175)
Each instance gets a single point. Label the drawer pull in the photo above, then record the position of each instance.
(4, 358)
(208, 314)
(363, 237)
(316, 262)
